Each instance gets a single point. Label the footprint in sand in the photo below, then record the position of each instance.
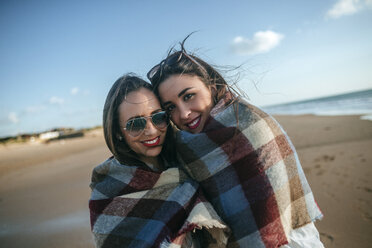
(325, 158)
(367, 216)
(366, 189)
(326, 238)
(361, 207)
(331, 195)
(361, 158)
(318, 166)
(369, 190)
(320, 172)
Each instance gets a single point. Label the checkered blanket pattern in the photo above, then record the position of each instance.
(136, 207)
(250, 172)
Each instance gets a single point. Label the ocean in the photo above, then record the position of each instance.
(355, 103)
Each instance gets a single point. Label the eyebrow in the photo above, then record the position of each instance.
(179, 95)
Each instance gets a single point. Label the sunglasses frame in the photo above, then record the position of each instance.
(146, 118)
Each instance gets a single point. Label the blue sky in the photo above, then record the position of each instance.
(58, 59)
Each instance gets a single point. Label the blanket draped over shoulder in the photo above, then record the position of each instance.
(136, 207)
(250, 172)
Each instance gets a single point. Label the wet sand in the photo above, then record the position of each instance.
(44, 188)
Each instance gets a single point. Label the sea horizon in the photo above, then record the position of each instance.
(352, 103)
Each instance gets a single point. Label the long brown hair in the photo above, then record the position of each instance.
(112, 133)
(192, 65)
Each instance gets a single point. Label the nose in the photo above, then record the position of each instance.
(150, 128)
(184, 112)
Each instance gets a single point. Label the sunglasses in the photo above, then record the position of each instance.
(154, 74)
(137, 125)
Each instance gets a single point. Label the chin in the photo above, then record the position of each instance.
(154, 152)
(196, 130)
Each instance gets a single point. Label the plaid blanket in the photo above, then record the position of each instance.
(136, 207)
(250, 172)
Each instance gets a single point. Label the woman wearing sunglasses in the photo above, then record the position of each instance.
(241, 157)
(139, 197)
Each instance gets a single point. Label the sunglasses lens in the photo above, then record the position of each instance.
(155, 71)
(160, 119)
(173, 59)
(151, 74)
(136, 126)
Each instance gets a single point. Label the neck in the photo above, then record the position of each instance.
(153, 162)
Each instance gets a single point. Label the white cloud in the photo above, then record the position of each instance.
(343, 7)
(56, 100)
(74, 90)
(13, 117)
(348, 7)
(262, 42)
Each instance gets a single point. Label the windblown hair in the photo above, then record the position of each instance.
(186, 66)
(111, 128)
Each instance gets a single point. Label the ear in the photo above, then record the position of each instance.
(119, 137)
(213, 89)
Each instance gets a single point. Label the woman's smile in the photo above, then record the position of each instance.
(151, 142)
(194, 123)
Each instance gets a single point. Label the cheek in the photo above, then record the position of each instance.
(130, 141)
(207, 104)
(175, 117)
(163, 134)
(201, 104)
(208, 98)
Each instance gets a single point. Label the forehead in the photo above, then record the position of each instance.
(173, 85)
(142, 102)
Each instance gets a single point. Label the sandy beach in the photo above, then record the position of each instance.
(44, 188)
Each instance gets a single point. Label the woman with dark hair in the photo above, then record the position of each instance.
(242, 158)
(139, 197)
(116, 101)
